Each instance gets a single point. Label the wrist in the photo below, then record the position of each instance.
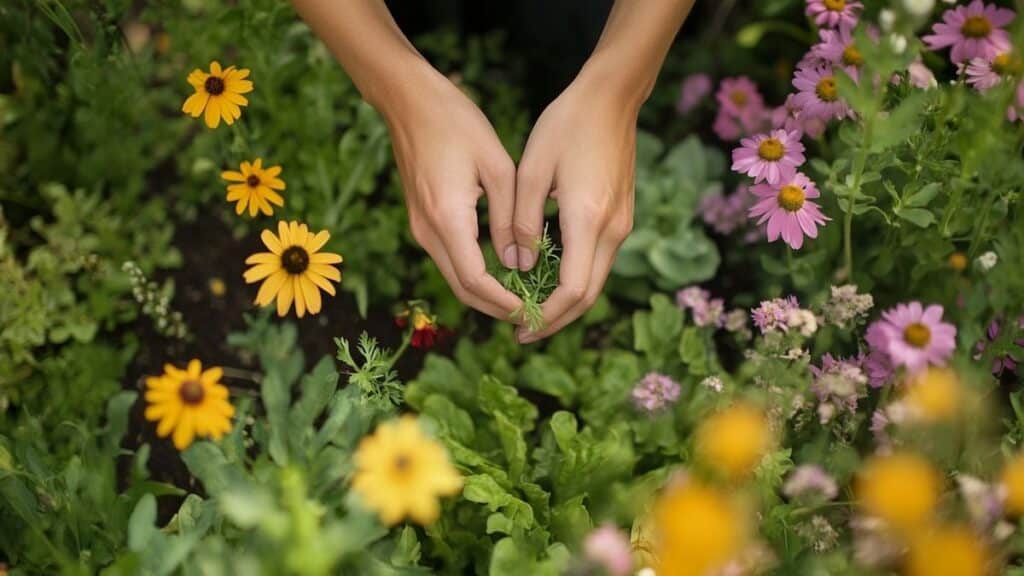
(400, 86)
(626, 86)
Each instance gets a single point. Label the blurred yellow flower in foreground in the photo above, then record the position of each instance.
(734, 440)
(947, 551)
(699, 530)
(218, 94)
(936, 394)
(294, 270)
(401, 472)
(256, 187)
(1013, 483)
(900, 488)
(189, 403)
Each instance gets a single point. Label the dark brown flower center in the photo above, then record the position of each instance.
(852, 56)
(253, 181)
(214, 85)
(402, 463)
(739, 98)
(295, 260)
(917, 335)
(826, 89)
(976, 27)
(191, 392)
(791, 198)
(771, 149)
(835, 5)
(1005, 63)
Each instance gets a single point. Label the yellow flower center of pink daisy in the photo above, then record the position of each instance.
(771, 149)
(791, 197)
(191, 392)
(976, 27)
(1005, 63)
(835, 5)
(214, 86)
(295, 260)
(852, 56)
(826, 89)
(917, 335)
(253, 180)
(739, 98)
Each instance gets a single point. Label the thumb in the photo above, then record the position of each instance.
(498, 177)
(533, 185)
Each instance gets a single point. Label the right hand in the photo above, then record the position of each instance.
(449, 156)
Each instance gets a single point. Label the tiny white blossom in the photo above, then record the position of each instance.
(919, 8)
(713, 383)
(886, 18)
(898, 43)
(988, 260)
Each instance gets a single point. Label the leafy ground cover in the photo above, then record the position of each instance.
(221, 352)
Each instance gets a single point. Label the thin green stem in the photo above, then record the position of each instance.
(406, 339)
(858, 175)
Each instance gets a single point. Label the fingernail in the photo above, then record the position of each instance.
(524, 336)
(509, 258)
(526, 259)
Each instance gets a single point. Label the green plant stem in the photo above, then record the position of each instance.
(406, 339)
(858, 175)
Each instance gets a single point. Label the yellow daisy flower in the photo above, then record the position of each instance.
(734, 440)
(700, 528)
(293, 270)
(189, 403)
(901, 488)
(401, 472)
(256, 187)
(218, 94)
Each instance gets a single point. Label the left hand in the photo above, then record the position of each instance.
(582, 153)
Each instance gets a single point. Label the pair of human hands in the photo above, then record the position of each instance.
(581, 152)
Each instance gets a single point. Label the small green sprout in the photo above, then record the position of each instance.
(534, 287)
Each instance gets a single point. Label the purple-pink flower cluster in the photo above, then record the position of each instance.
(741, 109)
(838, 385)
(726, 213)
(910, 336)
(773, 315)
(707, 311)
(655, 391)
(1000, 363)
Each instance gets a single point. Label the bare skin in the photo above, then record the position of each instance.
(581, 152)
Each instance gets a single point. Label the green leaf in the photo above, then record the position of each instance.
(483, 489)
(693, 352)
(276, 397)
(494, 397)
(141, 523)
(407, 548)
(918, 216)
(317, 389)
(544, 374)
(924, 196)
(900, 124)
(450, 420)
(118, 409)
(570, 521)
(513, 444)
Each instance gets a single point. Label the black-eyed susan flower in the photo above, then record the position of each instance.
(401, 472)
(256, 187)
(190, 403)
(294, 270)
(218, 94)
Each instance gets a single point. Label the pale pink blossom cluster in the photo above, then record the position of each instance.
(838, 385)
(1004, 363)
(692, 92)
(845, 307)
(655, 392)
(741, 109)
(810, 481)
(608, 547)
(706, 311)
(773, 315)
(726, 213)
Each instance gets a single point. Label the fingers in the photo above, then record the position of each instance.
(499, 181)
(439, 254)
(534, 182)
(603, 261)
(580, 238)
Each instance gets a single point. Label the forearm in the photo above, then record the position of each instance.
(634, 44)
(367, 42)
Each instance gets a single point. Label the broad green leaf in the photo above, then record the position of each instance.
(918, 216)
(141, 524)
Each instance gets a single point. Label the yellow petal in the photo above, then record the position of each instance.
(184, 433)
(238, 86)
(271, 287)
(215, 69)
(271, 242)
(323, 283)
(273, 197)
(197, 78)
(310, 294)
(212, 116)
(275, 183)
(284, 234)
(169, 421)
(212, 375)
(232, 176)
(325, 258)
(242, 202)
(329, 272)
(263, 258)
(272, 171)
(195, 369)
(300, 299)
(195, 103)
(316, 242)
(285, 297)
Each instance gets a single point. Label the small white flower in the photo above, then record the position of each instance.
(919, 8)
(646, 572)
(987, 261)
(802, 319)
(713, 383)
(886, 18)
(898, 43)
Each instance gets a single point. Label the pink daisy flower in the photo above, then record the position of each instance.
(920, 75)
(739, 97)
(788, 210)
(913, 336)
(837, 48)
(818, 94)
(983, 74)
(974, 31)
(877, 364)
(770, 158)
(693, 89)
(834, 13)
(789, 118)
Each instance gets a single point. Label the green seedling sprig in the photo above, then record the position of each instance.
(534, 287)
